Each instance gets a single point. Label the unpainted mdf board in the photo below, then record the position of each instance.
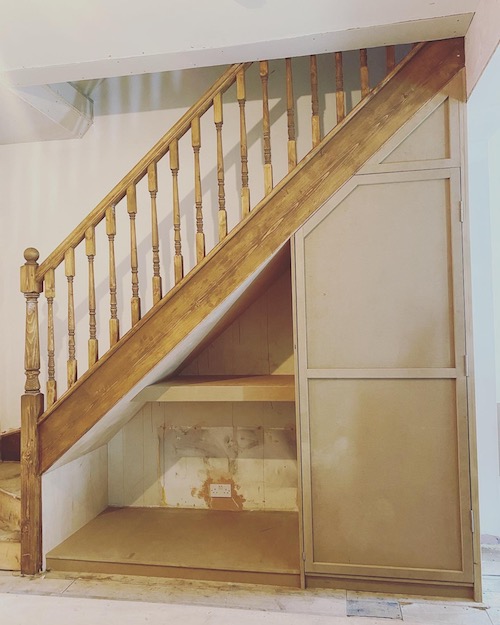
(382, 386)
(258, 342)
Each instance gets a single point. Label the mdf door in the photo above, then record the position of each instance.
(382, 381)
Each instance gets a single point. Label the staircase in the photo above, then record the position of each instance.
(10, 516)
(209, 264)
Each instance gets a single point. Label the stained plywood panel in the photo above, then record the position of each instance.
(381, 296)
(169, 454)
(385, 473)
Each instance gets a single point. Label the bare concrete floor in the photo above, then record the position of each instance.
(108, 600)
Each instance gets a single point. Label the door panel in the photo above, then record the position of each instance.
(382, 386)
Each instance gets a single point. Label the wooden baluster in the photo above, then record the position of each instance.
(390, 58)
(290, 116)
(316, 133)
(268, 168)
(174, 166)
(93, 347)
(241, 97)
(135, 302)
(218, 119)
(114, 323)
(50, 293)
(196, 143)
(31, 409)
(363, 68)
(339, 90)
(155, 239)
(69, 270)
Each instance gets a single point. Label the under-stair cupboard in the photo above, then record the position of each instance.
(296, 409)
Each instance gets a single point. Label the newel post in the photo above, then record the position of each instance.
(31, 409)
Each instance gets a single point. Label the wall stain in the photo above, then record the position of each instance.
(235, 502)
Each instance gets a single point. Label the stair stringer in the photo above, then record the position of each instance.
(323, 172)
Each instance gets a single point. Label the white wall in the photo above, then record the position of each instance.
(481, 40)
(484, 197)
(72, 496)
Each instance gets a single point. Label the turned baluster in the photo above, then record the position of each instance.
(196, 143)
(50, 293)
(114, 323)
(339, 87)
(31, 409)
(363, 69)
(290, 116)
(316, 134)
(69, 270)
(268, 168)
(241, 97)
(390, 58)
(93, 347)
(218, 119)
(135, 302)
(174, 166)
(155, 239)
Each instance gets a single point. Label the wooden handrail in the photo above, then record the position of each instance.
(159, 150)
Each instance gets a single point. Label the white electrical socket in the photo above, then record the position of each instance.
(220, 490)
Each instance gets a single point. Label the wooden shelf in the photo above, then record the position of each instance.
(221, 388)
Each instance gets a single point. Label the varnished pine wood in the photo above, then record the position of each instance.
(268, 226)
(114, 324)
(31, 485)
(174, 167)
(363, 71)
(31, 289)
(266, 128)
(155, 240)
(93, 347)
(390, 58)
(135, 302)
(315, 127)
(69, 271)
(218, 120)
(50, 293)
(241, 97)
(196, 143)
(290, 116)
(339, 87)
(136, 173)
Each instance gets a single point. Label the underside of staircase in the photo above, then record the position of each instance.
(229, 268)
(10, 516)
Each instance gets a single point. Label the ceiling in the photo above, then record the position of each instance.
(43, 42)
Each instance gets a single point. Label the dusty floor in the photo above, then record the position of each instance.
(95, 600)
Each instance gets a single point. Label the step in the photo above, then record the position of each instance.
(10, 495)
(10, 550)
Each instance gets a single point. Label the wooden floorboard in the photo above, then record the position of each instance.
(254, 547)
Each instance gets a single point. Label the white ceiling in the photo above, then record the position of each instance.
(56, 41)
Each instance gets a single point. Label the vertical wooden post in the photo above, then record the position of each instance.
(390, 58)
(290, 116)
(241, 97)
(31, 409)
(316, 134)
(173, 149)
(218, 120)
(50, 293)
(339, 89)
(266, 125)
(363, 68)
(69, 270)
(196, 143)
(155, 239)
(93, 347)
(135, 302)
(114, 323)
